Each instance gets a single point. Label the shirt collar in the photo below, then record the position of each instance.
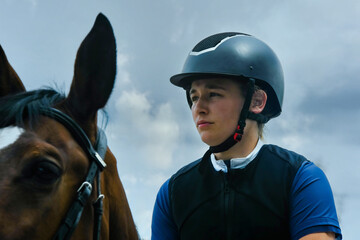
(236, 163)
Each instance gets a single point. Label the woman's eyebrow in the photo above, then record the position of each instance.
(214, 86)
(209, 86)
(192, 90)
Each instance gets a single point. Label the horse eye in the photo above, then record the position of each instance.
(43, 172)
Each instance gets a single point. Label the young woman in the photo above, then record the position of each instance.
(241, 188)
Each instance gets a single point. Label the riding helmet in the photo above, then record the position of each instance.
(240, 56)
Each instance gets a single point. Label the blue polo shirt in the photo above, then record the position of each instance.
(312, 207)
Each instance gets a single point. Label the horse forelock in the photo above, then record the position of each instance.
(26, 105)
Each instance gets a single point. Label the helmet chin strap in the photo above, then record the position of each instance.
(244, 114)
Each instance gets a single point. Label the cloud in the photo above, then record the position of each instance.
(134, 104)
(153, 128)
(123, 75)
(147, 128)
(154, 180)
(34, 3)
(144, 220)
(336, 101)
(333, 110)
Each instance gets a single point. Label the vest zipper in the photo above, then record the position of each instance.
(228, 207)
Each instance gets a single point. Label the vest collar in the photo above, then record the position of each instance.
(236, 163)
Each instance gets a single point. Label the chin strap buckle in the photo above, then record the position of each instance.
(239, 132)
(237, 137)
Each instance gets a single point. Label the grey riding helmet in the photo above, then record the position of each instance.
(240, 56)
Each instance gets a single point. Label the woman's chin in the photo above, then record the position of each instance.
(211, 141)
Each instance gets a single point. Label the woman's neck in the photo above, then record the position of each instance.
(242, 148)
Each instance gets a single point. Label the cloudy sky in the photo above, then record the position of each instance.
(150, 128)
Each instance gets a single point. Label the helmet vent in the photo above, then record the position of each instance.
(213, 40)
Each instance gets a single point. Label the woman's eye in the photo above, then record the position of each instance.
(42, 172)
(194, 98)
(214, 94)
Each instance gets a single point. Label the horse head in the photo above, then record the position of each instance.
(42, 170)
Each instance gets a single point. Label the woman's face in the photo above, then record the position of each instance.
(216, 106)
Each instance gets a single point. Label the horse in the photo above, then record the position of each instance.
(54, 183)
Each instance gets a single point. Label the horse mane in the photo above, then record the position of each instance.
(26, 105)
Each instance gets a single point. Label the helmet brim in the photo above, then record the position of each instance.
(184, 80)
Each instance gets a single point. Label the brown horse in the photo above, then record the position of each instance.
(41, 172)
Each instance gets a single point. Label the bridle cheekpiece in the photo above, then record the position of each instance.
(97, 164)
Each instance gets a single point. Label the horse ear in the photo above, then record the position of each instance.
(94, 74)
(10, 82)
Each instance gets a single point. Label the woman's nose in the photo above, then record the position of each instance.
(201, 106)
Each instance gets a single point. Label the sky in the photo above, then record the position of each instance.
(150, 128)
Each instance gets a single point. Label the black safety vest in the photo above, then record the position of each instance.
(250, 203)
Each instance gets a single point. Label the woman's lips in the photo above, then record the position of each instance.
(202, 124)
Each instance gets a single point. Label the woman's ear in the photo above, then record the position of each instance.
(258, 101)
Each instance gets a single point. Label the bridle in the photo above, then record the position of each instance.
(97, 164)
